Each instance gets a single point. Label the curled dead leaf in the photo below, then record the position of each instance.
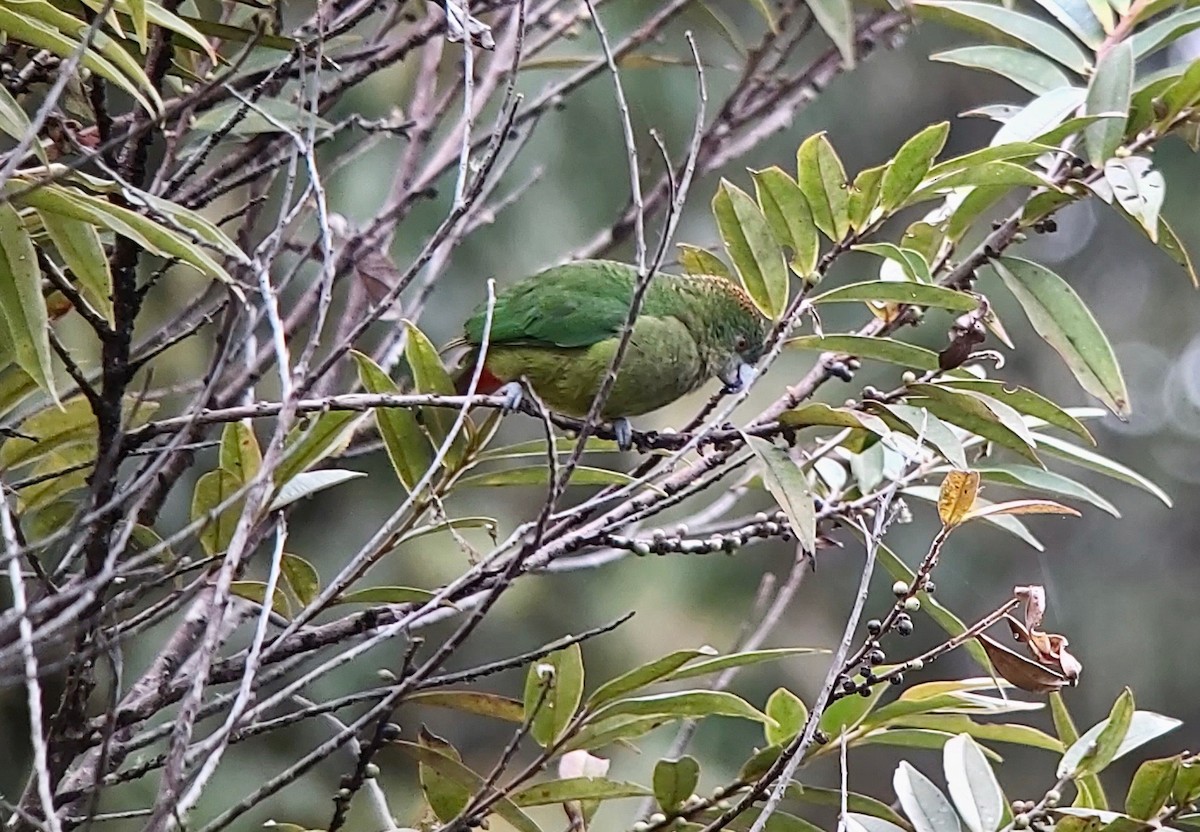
(1034, 598)
(1026, 674)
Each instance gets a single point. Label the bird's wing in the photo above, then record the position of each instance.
(575, 305)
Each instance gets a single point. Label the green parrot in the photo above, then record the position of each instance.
(560, 328)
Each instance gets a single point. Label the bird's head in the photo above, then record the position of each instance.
(741, 333)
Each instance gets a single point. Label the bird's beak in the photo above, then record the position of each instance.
(737, 377)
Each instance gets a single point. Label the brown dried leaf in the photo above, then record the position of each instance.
(957, 496)
(378, 276)
(1021, 507)
(1025, 674)
(1034, 597)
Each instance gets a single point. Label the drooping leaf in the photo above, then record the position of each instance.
(21, 300)
(976, 416)
(406, 444)
(646, 674)
(757, 257)
(1164, 32)
(1001, 521)
(836, 18)
(789, 217)
(437, 761)
(1034, 73)
(1008, 732)
(937, 434)
(213, 489)
(1098, 746)
(1109, 92)
(1062, 449)
(537, 475)
(307, 483)
(688, 704)
(823, 181)
(819, 413)
(789, 486)
(576, 788)
(890, 291)
(1020, 507)
(553, 691)
(1077, 17)
(910, 164)
(308, 444)
(79, 245)
(1059, 315)
(1024, 400)
(430, 376)
(1037, 479)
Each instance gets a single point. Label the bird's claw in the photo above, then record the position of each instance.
(623, 431)
(513, 394)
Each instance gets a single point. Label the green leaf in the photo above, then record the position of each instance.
(1040, 116)
(789, 486)
(823, 181)
(1004, 24)
(1094, 461)
(537, 448)
(912, 738)
(881, 349)
(387, 595)
(1007, 732)
(923, 802)
(1139, 188)
(576, 788)
(937, 433)
(406, 444)
(436, 761)
(1187, 782)
(856, 822)
(15, 123)
(1151, 786)
(745, 658)
(1109, 92)
(1165, 32)
(308, 444)
(675, 781)
(268, 115)
(1060, 317)
(1170, 243)
(301, 578)
(1010, 152)
(213, 489)
(256, 591)
(990, 419)
(1098, 746)
(756, 255)
(890, 291)
(307, 483)
(1042, 481)
(787, 213)
(1024, 400)
(836, 19)
(646, 674)
(599, 733)
(553, 691)
(847, 713)
(240, 454)
(235, 34)
(912, 264)
(700, 261)
(687, 704)
(430, 376)
(54, 428)
(789, 712)
(999, 174)
(911, 163)
(470, 702)
(859, 805)
(972, 785)
(79, 245)
(64, 476)
(21, 301)
(864, 196)
(446, 795)
(1025, 69)
(537, 475)
(1078, 18)
(1007, 523)
(819, 413)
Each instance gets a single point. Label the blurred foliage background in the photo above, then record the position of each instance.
(1121, 588)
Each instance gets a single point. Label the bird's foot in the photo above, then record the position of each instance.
(623, 431)
(513, 394)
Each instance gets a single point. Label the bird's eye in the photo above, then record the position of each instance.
(741, 344)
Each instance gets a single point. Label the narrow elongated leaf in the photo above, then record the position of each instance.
(79, 246)
(860, 805)
(789, 486)
(599, 733)
(975, 416)
(388, 595)
(1078, 18)
(1098, 746)
(537, 475)
(1151, 786)
(1165, 32)
(1170, 243)
(1088, 459)
(686, 704)
(1141, 728)
(937, 433)
(1040, 116)
(1034, 73)
(644, 675)
(405, 442)
(1008, 732)
(1139, 188)
(471, 702)
(882, 349)
(1109, 92)
(1007, 25)
(1036, 479)
(972, 785)
(307, 445)
(911, 163)
(21, 301)
(266, 116)
(864, 197)
(789, 217)
(307, 483)
(927, 808)
(836, 19)
(15, 123)
(823, 182)
(553, 691)
(55, 428)
(430, 376)
(744, 658)
(468, 781)
(1020, 507)
(1001, 521)
(675, 781)
(756, 256)
(856, 822)
(1024, 400)
(917, 294)
(1059, 315)
(213, 489)
(577, 788)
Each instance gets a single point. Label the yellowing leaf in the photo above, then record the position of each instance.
(756, 256)
(1020, 507)
(957, 496)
